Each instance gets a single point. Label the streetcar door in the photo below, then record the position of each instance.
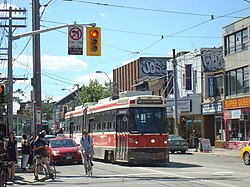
(122, 137)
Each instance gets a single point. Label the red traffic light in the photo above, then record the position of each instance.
(94, 34)
(1, 89)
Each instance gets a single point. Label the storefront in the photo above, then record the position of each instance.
(213, 122)
(189, 115)
(237, 122)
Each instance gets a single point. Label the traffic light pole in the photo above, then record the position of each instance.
(36, 81)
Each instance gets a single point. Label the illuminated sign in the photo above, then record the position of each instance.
(149, 102)
(237, 103)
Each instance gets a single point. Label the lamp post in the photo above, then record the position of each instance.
(105, 74)
(71, 124)
(79, 98)
(110, 82)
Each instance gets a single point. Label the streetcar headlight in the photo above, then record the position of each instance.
(55, 153)
(136, 142)
(165, 142)
(152, 140)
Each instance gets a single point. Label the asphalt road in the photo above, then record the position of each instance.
(183, 170)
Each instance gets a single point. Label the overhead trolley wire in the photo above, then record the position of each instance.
(146, 9)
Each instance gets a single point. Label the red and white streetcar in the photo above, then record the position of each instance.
(130, 129)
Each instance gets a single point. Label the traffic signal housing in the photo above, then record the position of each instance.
(1, 93)
(93, 41)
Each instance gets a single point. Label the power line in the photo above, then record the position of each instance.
(189, 28)
(50, 75)
(246, 1)
(147, 9)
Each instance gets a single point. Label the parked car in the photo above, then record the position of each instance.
(64, 150)
(245, 155)
(177, 143)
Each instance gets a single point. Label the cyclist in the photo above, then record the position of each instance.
(39, 145)
(87, 144)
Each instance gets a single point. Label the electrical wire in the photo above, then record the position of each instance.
(147, 9)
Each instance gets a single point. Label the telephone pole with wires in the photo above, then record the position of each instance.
(175, 93)
(9, 80)
(36, 80)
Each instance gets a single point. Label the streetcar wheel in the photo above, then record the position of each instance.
(246, 158)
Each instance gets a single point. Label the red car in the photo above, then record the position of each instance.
(64, 150)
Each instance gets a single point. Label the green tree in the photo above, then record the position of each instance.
(47, 108)
(93, 92)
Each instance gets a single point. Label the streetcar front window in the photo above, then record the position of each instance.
(148, 120)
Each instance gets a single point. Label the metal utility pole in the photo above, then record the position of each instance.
(36, 81)
(175, 93)
(9, 80)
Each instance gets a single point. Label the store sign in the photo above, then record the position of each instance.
(211, 108)
(237, 103)
(183, 105)
(235, 114)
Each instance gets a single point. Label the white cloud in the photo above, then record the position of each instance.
(100, 77)
(102, 15)
(54, 63)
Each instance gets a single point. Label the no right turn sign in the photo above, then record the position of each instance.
(75, 40)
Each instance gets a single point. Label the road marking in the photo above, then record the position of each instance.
(184, 176)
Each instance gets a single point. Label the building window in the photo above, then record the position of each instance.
(244, 40)
(232, 80)
(245, 79)
(188, 73)
(231, 44)
(238, 81)
(236, 42)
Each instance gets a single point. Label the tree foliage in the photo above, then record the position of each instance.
(47, 108)
(94, 91)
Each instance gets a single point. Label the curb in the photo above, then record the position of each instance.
(220, 152)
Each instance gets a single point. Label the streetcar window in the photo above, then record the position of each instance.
(147, 120)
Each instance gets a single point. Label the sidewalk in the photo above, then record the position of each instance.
(219, 152)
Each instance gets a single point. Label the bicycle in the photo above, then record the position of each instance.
(89, 165)
(43, 172)
(4, 174)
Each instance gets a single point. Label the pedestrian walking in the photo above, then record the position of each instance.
(196, 140)
(31, 156)
(11, 149)
(26, 150)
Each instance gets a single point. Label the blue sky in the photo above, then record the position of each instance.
(130, 29)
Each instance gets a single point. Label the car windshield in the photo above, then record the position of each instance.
(175, 137)
(62, 143)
